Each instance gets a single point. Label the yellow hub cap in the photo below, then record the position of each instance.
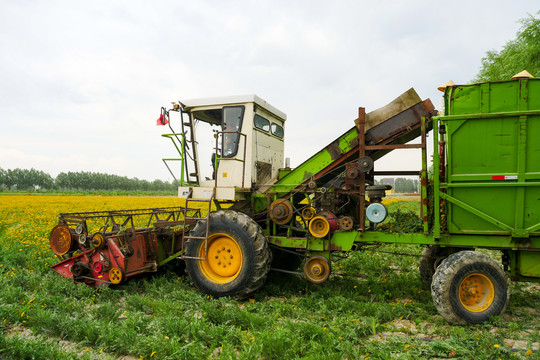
(224, 260)
(476, 292)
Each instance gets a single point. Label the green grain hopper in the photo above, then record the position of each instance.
(492, 174)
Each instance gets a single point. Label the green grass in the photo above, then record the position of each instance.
(386, 313)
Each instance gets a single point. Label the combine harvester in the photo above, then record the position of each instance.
(486, 194)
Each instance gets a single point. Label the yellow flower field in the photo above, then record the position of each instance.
(26, 220)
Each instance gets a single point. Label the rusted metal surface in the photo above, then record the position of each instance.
(119, 243)
(362, 178)
(404, 127)
(334, 151)
(401, 124)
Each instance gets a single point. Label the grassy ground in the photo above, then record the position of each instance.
(375, 308)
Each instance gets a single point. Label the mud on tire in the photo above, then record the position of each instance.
(242, 239)
(469, 287)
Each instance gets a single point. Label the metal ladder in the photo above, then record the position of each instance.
(190, 153)
(207, 218)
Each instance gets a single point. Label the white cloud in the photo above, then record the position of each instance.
(82, 85)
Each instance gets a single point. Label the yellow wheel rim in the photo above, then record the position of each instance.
(319, 226)
(476, 292)
(224, 259)
(115, 275)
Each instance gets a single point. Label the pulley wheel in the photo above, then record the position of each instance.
(308, 213)
(352, 172)
(79, 229)
(78, 269)
(97, 267)
(317, 269)
(82, 239)
(319, 226)
(60, 240)
(376, 212)
(346, 223)
(365, 164)
(115, 275)
(281, 211)
(312, 185)
(98, 240)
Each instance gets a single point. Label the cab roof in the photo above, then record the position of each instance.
(230, 100)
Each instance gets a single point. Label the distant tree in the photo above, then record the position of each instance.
(62, 181)
(24, 179)
(3, 178)
(403, 185)
(523, 53)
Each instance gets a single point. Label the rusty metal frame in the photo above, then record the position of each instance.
(362, 178)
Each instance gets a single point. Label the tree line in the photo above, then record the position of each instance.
(402, 185)
(32, 179)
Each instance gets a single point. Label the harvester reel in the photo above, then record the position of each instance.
(317, 269)
(281, 211)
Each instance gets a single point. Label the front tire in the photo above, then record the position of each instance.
(238, 258)
(469, 287)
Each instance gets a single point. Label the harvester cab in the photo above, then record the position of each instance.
(238, 139)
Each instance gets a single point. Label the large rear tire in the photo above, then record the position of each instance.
(469, 287)
(238, 258)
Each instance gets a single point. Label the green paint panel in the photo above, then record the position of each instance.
(493, 157)
(528, 263)
(317, 162)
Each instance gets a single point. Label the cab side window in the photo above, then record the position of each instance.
(261, 123)
(232, 121)
(277, 130)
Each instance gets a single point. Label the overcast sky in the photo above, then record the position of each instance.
(82, 82)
